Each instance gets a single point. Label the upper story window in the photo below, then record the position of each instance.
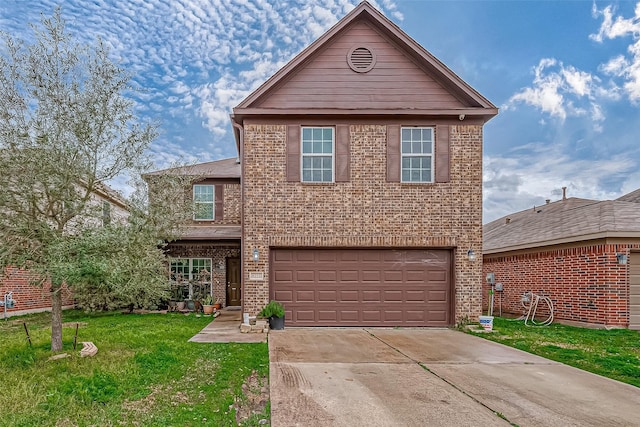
(317, 154)
(203, 202)
(416, 146)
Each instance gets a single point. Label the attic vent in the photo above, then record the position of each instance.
(361, 59)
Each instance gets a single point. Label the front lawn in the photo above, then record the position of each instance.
(144, 374)
(611, 353)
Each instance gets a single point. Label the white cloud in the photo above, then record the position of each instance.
(527, 175)
(562, 91)
(625, 67)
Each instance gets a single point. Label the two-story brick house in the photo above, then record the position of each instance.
(208, 252)
(361, 183)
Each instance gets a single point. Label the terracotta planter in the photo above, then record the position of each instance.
(207, 309)
(217, 306)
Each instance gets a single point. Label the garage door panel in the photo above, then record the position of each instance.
(371, 296)
(393, 315)
(415, 296)
(349, 276)
(415, 315)
(301, 315)
(327, 256)
(363, 287)
(391, 296)
(435, 296)
(434, 276)
(327, 315)
(305, 276)
(372, 316)
(328, 296)
(284, 276)
(370, 276)
(284, 296)
(370, 256)
(327, 276)
(417, 276)
(393, 276)
(305, 296)
(349, 296)
(283, 256)
(438, 315)
(351, 316)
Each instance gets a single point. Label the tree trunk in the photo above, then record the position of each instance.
(56, 317)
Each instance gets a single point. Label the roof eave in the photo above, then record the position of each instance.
(486, 114)
(565, 240)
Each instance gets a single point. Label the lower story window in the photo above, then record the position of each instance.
(190, 278)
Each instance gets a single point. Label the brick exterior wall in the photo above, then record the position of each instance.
(29, 298)
(232, 202)
(367, 211)
(585, 283)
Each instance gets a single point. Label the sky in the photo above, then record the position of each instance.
(565, 75)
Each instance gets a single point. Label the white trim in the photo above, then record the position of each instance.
(333, 154)
(213, 202)
(419, 155)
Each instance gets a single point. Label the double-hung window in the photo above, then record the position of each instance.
(416, 146)
(203, 202)
(191, 277)
(318, 154)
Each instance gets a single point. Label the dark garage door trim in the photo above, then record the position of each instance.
(363, 287)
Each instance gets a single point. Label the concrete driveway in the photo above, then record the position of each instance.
(432, 377)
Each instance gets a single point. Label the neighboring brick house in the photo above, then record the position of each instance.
(583, 254)
(32, 298)
(362, 183)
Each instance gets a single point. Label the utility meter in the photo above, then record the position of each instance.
(491, 278)
(499, 287)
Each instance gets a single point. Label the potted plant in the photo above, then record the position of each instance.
(274, 311)
(207, 304)
(217, 305)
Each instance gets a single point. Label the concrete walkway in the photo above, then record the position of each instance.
(226, 328)
(432, 377)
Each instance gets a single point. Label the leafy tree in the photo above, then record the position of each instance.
(66, 128)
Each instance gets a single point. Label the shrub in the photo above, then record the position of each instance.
(272, 309)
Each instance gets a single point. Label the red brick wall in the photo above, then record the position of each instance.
(28, 297)
(586, 284)
(366, 211)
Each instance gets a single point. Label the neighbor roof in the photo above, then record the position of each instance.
(564, 221)
(634, 196)
(226, 168)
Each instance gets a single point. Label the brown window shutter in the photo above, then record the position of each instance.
(219, 201)
(442, 153)
(293, 153)
(342, 153)
(393, 153)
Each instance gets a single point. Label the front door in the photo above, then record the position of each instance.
(234, 295)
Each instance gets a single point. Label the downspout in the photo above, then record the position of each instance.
(239, 134)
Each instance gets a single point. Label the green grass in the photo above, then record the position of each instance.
(144, 374)
(611, 353)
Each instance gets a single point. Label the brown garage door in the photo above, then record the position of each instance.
(363, 287)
